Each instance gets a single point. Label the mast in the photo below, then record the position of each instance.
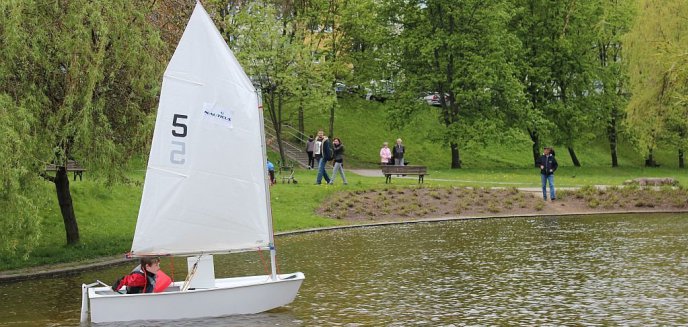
(273, 251)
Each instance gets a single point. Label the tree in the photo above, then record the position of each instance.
(658, 67)
(270, 47)
(460, 50)
(558, 69)
(611, 78)
(82, 76)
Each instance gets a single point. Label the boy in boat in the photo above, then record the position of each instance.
(141, 279)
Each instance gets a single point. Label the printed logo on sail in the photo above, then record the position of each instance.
(217, 114)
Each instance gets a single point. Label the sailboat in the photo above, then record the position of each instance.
(206, 191)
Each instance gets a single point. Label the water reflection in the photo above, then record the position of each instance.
(601, 270)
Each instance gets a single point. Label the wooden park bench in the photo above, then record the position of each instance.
(388, 171)
(72, 165)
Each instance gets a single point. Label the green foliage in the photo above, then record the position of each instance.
(78, 80)
(270, 46)
(19, 217)
(558, 69)
(658, 68)
(461, 49)
(611, 96)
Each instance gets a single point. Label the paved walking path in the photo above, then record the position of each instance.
(378, 173)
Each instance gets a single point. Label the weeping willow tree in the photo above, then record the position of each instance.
(658, 67)
(78, 80)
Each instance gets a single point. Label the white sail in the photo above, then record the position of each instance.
(205, 184)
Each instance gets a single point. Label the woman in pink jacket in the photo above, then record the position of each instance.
(385, 154)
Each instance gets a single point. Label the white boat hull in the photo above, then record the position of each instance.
(230, 296)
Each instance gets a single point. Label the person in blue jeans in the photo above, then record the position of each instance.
(326, 155)
(548, 165)
(338, 156)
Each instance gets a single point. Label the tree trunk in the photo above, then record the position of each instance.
(279, 131)
(650, 161)
(574, 158)
(302, 129)
(681, 163)
(64, 198)
(611, 135)
(682, 133)
(456, 157)
(536, 145)
(331, 134)
(274, 108)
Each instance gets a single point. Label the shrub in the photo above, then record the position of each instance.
(539, 205)
(593, 203)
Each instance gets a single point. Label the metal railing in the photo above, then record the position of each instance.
(291, 151)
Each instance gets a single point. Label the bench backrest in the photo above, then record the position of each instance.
(72, 165)
(388, 169)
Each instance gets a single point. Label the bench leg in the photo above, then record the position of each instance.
(421, 179)
(388, 178)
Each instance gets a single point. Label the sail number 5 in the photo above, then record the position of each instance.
(178, 153)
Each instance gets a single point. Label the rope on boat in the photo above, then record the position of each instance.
(262, 259)
(265, 264)
(172, 268)
(191, 274)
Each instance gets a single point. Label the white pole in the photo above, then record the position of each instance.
(273, 252)
(85, 309)
(84, 303)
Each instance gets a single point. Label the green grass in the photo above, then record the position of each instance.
(107, 214)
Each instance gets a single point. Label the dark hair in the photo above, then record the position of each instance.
(337, 139)
(148, 261)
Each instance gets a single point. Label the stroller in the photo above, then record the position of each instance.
(286, 173)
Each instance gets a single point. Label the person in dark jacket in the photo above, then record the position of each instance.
(309, 150)
(338, 150)
(548, 165)
(326, 155)
(141, 279)
(398, 153)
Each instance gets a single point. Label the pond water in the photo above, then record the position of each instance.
(591, 270)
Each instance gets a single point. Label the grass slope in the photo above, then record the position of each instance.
(364, 125)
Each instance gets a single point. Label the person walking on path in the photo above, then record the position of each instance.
(385, 154)
(398, 152)
(548, 165)
(309, 150)
(325, 151)
(338, 150)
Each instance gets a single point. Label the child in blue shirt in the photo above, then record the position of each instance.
(271, 172)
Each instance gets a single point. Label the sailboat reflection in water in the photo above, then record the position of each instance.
(206, 191)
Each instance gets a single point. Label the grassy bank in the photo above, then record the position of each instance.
(107, 214)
